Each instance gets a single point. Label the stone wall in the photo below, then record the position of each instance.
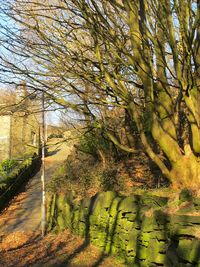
(134, 228)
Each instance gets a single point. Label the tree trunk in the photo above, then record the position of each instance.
(185, 173)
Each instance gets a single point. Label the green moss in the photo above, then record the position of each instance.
(149, 223)
(103, 200)
(115, 207)
(184, 220)
(161, 235)
(153, 201)
(156, 251)
(14, 181)
(142, 252)
(129, 204)
(125, 225)
(49, 198)
(121, 226)
(98, 238)
(189, 250)
(67, 215)
(75, 220)
(60, 202)
(145, 237)
(52, 209)
(86, 203)
(196, 202)
(132, 243)
(61, 223)
(185, 195)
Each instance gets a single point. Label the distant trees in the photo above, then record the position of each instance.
(139, 57)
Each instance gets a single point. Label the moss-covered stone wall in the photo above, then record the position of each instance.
(14, 182)
(134, 228)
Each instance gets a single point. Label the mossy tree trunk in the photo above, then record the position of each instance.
(184, 158)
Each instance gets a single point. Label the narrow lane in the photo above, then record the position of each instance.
(24, 212)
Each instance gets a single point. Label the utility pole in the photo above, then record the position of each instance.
(43, 207)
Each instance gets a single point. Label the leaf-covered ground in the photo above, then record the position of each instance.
(22, 249)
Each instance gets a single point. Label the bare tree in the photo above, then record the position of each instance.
(141, 56)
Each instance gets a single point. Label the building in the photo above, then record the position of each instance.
(19, 126)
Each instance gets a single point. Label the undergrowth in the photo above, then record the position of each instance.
(96, 165)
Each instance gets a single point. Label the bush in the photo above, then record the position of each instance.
(7, 166)
(54, 135)
(109, 179)
(92, 142)
(12, 183)
(78, 174)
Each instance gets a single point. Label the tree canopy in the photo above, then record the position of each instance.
(137, 59)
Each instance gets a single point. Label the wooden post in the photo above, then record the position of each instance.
(43, 207)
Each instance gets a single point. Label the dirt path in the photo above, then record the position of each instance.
(21, 244)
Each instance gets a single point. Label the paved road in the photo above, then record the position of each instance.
(24, 212)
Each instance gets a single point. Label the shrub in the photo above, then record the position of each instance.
(54, 135)
(92, 142)
(7, 166)
(78, 174)
(11, 183)
(109, 179)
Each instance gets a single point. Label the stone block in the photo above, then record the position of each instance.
(142, 252)
(103, 200)
(125, 225)
(115, 207)
(129, 204)
(153, 201)
(189, 250)
(60, 202)
(61, 222)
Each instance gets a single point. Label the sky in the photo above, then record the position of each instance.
(6, 78)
